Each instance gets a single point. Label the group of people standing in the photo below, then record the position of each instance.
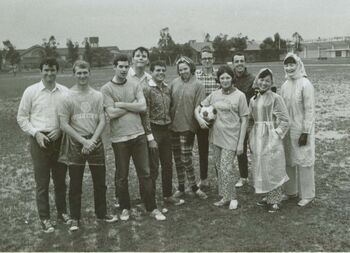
(153, 122)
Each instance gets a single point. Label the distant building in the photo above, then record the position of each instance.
(326, 48)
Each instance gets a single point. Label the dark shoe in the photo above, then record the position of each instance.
(173, 201)
(274, 208)
(262, 202)
(64, 218)
(47, 226)
(109, 218)
(74, 225)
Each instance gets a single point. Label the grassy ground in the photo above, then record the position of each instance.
(198, 225)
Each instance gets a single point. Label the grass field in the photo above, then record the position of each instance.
(198, 225)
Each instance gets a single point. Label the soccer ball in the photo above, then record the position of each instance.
(208, 113)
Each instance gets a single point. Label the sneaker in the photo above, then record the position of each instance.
(274, 208)
(157, 215)
(233, 204)
(109, 218)
(178, 194)
(200, 194)
(203, 183)
(305, 202)
(222, 202)
(125, 215)
(262, 202)
(286, 197)
(241, 182)
(64, 218)
(74, 225)
(47, 226)
(174, 201)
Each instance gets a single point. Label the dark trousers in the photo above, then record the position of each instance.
(98, 174)
(44, 163)
(163, 138)
(137, 149)
(203, 149)
(243, 160)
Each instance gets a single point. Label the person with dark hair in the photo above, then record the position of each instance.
(299, 143)
(186, 94)
(243, 81)
(123, 102)
(206, 75)
(82, 119)
(227, 133)
(158, 99)
(269, 120)
(37, 117)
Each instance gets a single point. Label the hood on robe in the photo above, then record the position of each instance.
(300, 71)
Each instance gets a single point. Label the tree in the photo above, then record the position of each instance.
(87, 53)
(222, 46)
(297, 42)
(100, 56)
(271, 48)
(167, 46)
(11, 55)
(50, 47)
(73, 51)
(239, 42)
(207, 37)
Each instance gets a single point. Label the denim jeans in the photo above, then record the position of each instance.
(44, 163)
(203, 149)
(137, 149)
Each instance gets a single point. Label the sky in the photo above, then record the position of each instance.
(132, 23)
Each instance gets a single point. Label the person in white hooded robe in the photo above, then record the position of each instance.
(269, 122)
(299, 143)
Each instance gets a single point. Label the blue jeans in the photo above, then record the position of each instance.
(44, 163)
(138, 150)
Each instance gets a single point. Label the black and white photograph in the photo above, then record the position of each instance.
(175, 126)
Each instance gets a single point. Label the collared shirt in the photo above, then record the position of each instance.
(38, 108)
(158, 103)
(245, 84)
(208, 80)
(143, 81)
(185, 98)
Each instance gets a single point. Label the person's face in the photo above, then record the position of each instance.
(48, 73)
(184, 71)
(265, 83)
(158, 74)
(121, 70)
(82, 76)
(225, 81)
(239, 63)
(140, 59)
(207, 60)
(290, 68)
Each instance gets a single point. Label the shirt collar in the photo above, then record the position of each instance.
(42, 87)
(152, 83)
(133, 74)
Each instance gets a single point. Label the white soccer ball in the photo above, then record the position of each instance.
(208, 113)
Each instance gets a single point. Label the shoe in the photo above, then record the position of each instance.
(109, 218)
(74, 225)
(233, 204)
(286, 197)
(125, 215)
(174, 201)
(64, 218)
(274, 208)
(222, 202)
(116, 204)
(200, 194)
(241, 182)
(178, 194)
(47, 226)
(203, 183)
(262, 202)
(157, 215)
(305, 202)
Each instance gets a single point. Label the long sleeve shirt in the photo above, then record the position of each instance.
(37, 110)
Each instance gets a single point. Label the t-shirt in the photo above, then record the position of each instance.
(130, 123)
(82, 110)
(226, 128)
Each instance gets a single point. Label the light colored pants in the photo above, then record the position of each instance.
(301, 181)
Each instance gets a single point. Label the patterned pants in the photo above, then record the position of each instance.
(274, 196)
(182, 145)
(224, 165)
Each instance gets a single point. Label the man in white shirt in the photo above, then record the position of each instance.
(37, 116)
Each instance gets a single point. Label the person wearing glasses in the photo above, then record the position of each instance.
(207, 75)
(186, 94)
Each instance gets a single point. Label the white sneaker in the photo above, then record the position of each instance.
(222, 202)
(157, 215)
(178, 194)
(305, 202)
(286, 197)
(203, 183)
(233, 204)
(200, 194)
(125, 215)
(241, 182)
